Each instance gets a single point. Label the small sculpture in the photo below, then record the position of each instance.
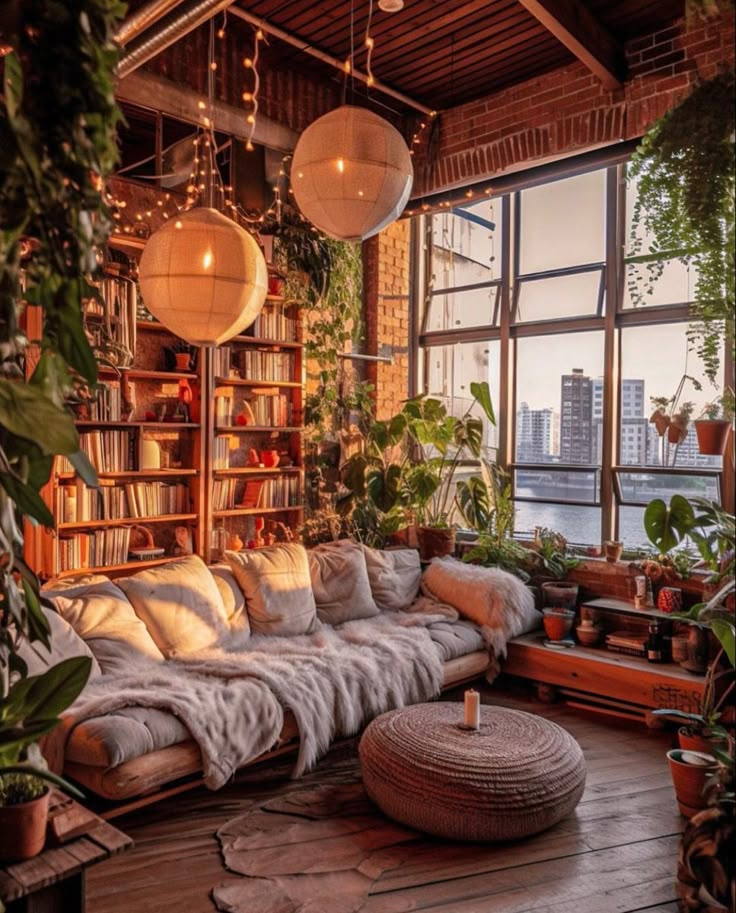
(183, 537)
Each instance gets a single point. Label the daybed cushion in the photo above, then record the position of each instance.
(101, 615)
(65, 644)
(128, 733)
(180, 604)
(340, 583)
(277, 587)
(455, 638)
(394, 575)
(232, 598)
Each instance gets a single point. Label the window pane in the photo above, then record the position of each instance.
(555, 382)
(451, 370)
(563, 223)
(557, 485)
(676, 285)
(466, 245)
(472, 308)
(558, 296)
(644, 486)
(654, 360)
(580, 525)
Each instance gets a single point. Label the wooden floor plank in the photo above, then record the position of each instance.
(616, 854)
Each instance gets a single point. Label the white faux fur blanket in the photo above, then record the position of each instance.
(495, 600)
(231, 696)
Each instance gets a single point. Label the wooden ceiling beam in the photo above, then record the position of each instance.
(572, 23)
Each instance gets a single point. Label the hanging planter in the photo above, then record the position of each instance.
(712, 436)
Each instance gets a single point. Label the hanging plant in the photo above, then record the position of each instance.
(685, 174)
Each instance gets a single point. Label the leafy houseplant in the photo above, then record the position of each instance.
(57, 144)
(672, 418)
(685, 171)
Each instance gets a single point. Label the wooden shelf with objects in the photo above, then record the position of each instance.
(183, 439)
(257, 474)
(601, 678)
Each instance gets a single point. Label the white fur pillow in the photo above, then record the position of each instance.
(394, 576)
(277, 587)
(65, 644)
(102, 616)
(494, 599)
(232, 598)
(180, 604)
(340, 582)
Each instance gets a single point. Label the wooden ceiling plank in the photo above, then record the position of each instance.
(572, 23)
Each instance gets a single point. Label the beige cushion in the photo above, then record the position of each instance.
(180, 604)
(277, 588)
(232, 598)
(394, 576)
(340, 583)
(102, 616)
(65, 644)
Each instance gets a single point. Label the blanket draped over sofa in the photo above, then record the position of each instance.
(231, 697)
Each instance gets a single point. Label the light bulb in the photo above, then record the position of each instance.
(207, 259)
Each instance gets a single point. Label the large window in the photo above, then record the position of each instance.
(582, 314)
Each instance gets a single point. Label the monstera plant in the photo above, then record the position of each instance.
(58, 121)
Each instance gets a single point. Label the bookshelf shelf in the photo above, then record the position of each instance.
(138, 374)
(136, 474)
(263, 342)
(255, 511)
(263, 384)
(126, 521)
(154, 426)
(257, 471)
(250, 429)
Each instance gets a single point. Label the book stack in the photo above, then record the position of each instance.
(627, 642)
(266, 364)
(108, 451)
(271, 409)
(79, 504)
(111, 319)
(224, 397)
(265, 493)
(108, 406)
(221, 453)
(223, 494)
(102, 548)
(272, 323)
(222, 360)
(154, 499)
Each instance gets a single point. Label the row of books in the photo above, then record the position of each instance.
(221, 453)
(79, 504)
(113, 324)
(223, 494)
(108, 451)
(108, 405)
(267, 407)
(272, 411)
(258, 364)
(280, 492)
(101, 548)
(272, 323)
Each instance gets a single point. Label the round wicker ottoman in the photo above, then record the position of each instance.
(515, 776)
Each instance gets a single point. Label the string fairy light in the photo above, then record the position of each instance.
(250, 96)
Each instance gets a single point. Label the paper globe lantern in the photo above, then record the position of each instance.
(351, 173)
(203, 276)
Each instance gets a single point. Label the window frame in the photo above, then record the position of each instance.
(610, 318)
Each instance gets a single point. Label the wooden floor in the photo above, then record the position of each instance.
(617, 854)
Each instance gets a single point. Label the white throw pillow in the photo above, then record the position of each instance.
(340, 583)
(180, 604)
(65, 644)
(394, 576)
(102, 616)
(232, 598)
(277, 587)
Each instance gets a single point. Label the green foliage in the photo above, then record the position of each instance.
(685, 171)
(506, 554)
(58, 121)
(667, 525)
(553, 553)
(18, 788)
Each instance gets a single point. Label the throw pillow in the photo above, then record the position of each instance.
(180, 604)
(65, 644)
(232, 598)
(394, 576)
(277, 587)
(340, 583)
(102, 616)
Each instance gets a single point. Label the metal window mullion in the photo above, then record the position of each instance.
(506, 413)
(417, 284)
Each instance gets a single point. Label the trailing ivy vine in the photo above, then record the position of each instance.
(58, 121)
(685, 174)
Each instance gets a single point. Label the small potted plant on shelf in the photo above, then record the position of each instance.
(714, 424)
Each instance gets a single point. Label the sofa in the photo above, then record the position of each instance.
(264, 633)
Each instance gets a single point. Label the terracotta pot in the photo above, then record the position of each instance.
(679, 648)
(676, 432)
(660, 422)
(183, 361)
(588, 634)
(399, 538)
(557, 593)
(697, 650)
(270, 458)
(435, 542)
(613, 550)
(712, 435)
(689, 781)
(697, 741)
(558, 623)
(23, 829)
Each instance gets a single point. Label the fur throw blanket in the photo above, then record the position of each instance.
(231, 696)
(495, 600)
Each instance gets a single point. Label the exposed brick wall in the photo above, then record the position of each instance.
(567, 110)
(386, 291)
(598, 577)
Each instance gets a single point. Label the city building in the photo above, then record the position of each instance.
(576, 418)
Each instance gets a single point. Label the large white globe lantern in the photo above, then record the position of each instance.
(203, 276)
(351, 173)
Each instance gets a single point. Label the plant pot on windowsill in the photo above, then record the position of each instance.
(712, 435)
(559, 594)
(23, 828)
(698, 740)
(690, 771)
(435, 542)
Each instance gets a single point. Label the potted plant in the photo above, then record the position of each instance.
(58, 147)
(714, 424)
(679, 423)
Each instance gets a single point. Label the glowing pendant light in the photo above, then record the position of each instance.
(203, 276)
(351, 173)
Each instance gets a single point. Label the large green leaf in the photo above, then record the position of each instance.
(725, 631)
(25, 411)
(27, 499)
(482, 393)
(383, 486)
(53, 691)
(85, 470)
(474, 503)
(666, 526)
(353, 474)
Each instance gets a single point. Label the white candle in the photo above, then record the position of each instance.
(472, 709)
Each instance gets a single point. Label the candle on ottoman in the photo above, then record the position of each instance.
(472, 709)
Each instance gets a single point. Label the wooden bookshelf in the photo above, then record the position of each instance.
(95, 523)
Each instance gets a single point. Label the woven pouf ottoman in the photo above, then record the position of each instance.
(517, 775)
